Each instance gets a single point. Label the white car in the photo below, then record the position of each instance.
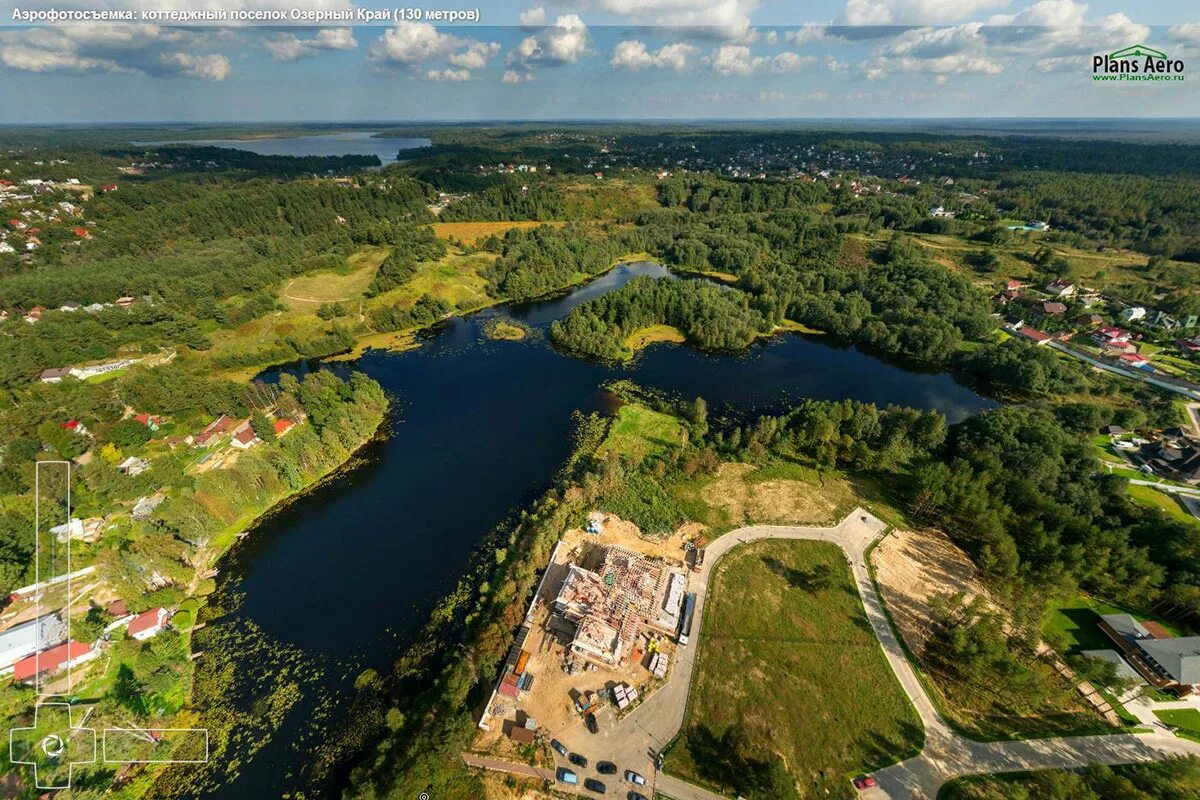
(634, 778)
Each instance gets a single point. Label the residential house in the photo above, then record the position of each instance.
(74, 426)
(1167, 662)
(1134, 360)
(49, 662)
(282, 426)
(27, 638)
(55, 374)
(1061, 288)
(1191, 345)
(145, 506)
(125, 302)
(244, 436)
(151, 422)
(85, 530)
(133, 466)
(148, 623)
(1012, 285)
(70, 305)
(1108, 335)
(1175, 458)
(1133, 313)
(1053, 308)
(1033, 335)
(211, 431)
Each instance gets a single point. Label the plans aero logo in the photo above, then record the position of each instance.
(1137, 63)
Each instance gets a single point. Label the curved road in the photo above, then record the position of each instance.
(634, 741)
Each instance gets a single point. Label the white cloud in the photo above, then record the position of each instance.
(453, 75)
(633, 54)
(83, 49)
(1056, 28)
(736, 59)
(476, 56)
(516, 76)
(409, 45)
(564, 42)
(808, 32)
(290, 47)
(912, 12)
(532, 17)
(727, 19)
(213, 67)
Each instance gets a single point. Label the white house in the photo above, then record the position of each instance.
(148, 623)
(1133, 313)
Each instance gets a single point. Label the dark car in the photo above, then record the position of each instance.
(635, 796)
(592, 725)
(558, 747)
(577, 760)
(606, 768)
(593, 785)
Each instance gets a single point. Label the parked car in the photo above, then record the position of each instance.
(635, 796)
(566, 776)
(606, 768)
(634, 778)
(590, 721)
(864, 782)
(558, 747)
(593, 785)
(577, 760)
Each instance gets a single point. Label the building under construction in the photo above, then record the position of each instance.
(610, 604)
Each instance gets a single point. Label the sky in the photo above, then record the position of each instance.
(598, 59)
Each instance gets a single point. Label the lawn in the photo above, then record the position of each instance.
(1185, 720)
(639, 432)
(789, 669)
(1073, 626)
(455, 278)
(1149, 496)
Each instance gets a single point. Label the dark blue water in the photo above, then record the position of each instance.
(354, 143)
(350, 572)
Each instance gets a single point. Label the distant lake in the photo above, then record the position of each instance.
(351, 143)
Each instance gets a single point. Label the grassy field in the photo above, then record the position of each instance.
(639, 432)
(788, 661)
(1149, 496)
(455, 278)
(308, 292)
(1185, 720)
(472, 232)
(650, 334)
(782, 493)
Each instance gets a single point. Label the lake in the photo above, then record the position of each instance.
(350, 572)
(351, 143)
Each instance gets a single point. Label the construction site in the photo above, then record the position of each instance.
(600, 634)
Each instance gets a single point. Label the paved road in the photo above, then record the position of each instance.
(634, 741)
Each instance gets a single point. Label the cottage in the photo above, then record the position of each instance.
(1134, 360)
(23, 640)
(145, 506)
(125, 302)
(244, 436)
(74, 426)
(48, 662)
(70, 305)
(55, 374)
(1133, 313)
(133, 466)
(211, 431)
(148, 624)
(153, 423)
(1032, 334)
(85, 530)
(1061, 288)
(1165, 661)
(1054, 309)
(283, 426)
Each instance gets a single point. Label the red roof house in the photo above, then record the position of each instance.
(244, 436)
(51, 661)
(1034, 335)
(212, 430)
(282, 426)
(148, 623)
(82, 233)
